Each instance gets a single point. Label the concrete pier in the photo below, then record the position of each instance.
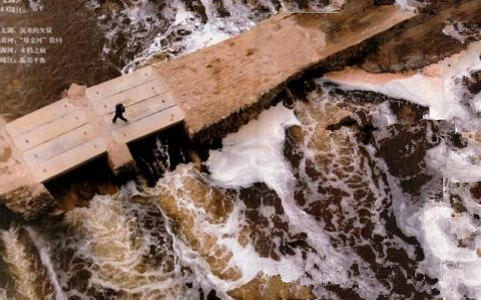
(77, 129)
(200, 89)
(215, 82)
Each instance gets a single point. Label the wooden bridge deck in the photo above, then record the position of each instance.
(149, 105)
(55, 139)
(64, 135)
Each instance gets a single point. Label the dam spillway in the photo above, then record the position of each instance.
(199, 89)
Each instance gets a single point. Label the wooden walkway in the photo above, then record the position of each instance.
(199, 89)
(64, 135)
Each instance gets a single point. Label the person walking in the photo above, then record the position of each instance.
(119, 111)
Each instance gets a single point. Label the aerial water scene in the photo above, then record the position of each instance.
(240, 149)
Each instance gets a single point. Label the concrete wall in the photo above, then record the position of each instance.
(201, 89)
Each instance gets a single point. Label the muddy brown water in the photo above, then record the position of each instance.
(78, 59)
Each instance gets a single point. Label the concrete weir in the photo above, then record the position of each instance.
(200, 89)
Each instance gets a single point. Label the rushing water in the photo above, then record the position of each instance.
(345, 195)
(283, 196)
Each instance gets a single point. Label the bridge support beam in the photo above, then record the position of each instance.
(121, 161)
(18, 189)
(29, 201)
(119, 157)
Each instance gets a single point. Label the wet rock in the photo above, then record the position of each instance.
(294, 136)
(29, 202)
(421, 41)
(406, 112)
(384, 2)
(457, 140)
(271, 288)
(347, 121)
(403, 149)
(473, 82)
(267, 226)
(476, 190)
(457, 204)
(343, 293)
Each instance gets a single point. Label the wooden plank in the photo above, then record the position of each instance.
(128, 98)
(141, 110)
(121, 84)
(48, 131)
(69, 160)
(35, 119)
(59, 145)
(148, 125)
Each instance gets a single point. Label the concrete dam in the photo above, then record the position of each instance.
(199, 90)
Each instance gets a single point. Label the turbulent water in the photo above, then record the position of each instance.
(330, 210)
(142, 30)
(343, 195)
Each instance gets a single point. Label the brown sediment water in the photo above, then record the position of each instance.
(194, 234)
(30, 279)
(78, 59)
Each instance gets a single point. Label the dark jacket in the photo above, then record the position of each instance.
(119, 108)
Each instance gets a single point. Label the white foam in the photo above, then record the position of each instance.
(43, 250)
(254, 153)
(449, 30)
(202, 35)
(441, 94)
(418, 88)
(385, 116)
(437, 224)
(456, 266)
(25, 269)
(459, 32)
(208, 35)
(410, 5)
(439, 229)
(205, 33)
(35, 5)
(458, 166)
